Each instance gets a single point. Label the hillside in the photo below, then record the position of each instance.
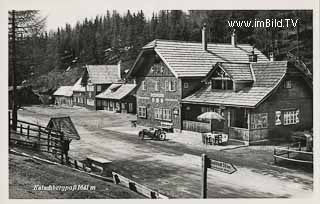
(26, 173)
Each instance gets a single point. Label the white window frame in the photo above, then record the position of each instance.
(99, 88)
(166, 114)
(287, 84)
(291, 117)
(172, 86)
(158, 113)
(278, 118)
(143, 85)
(142, 112)
(157, 86)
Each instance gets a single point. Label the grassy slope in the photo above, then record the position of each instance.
(25, 173)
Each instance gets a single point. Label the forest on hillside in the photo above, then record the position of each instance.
(111, 37)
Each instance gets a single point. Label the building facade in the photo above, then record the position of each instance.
(254, 98)
(167, 71)
(119, 97)
(63, 96)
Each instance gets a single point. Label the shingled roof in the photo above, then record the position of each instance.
(103, 74)
(64, 91)
(78, 87)
(267, 75)
(119, 93)
(188, 59)
(237, 71)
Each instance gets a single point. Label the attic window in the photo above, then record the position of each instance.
(224, 84)
(287, 84)
(157, 59)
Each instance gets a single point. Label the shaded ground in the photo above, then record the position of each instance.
(173, 168)
(27, 175)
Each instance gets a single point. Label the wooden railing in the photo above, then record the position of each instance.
(292, 153)
(39, 138)
(239, 133)
(196, 126)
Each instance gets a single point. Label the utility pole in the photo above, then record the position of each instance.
(204, 176)
(12, 57)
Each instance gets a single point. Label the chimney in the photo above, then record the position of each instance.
(271, 57)
(204, 37)
(119, 69)
(253, 57)
(234, 38)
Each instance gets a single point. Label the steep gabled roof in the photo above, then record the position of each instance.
(103, 74)
(188, 59)
(64, 91)
(237, 71)
(268, 76)
(78, 87)
(119, 93)
(65, 125)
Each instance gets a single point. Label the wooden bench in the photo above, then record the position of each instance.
(100, 163)
(166, 126)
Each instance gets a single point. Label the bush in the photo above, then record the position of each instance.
(280, 134)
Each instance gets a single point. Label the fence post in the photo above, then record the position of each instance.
(61, 147)
(204, 176)
(28, 131)
(75, 164)
(275, 154)
(288, 151)
(20, 128)
(39, 135)
(49, 133)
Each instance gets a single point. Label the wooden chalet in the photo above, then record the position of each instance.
(63, 96)
(96, 79)
(254, 98)
(167, 71)
(119, 97)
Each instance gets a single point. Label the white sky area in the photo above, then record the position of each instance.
(59, 17)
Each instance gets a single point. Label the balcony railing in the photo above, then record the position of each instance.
(239, 133)
(196, 126)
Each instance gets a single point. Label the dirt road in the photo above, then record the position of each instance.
(172, 168)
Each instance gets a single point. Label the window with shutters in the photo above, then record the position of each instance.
(142, 112)
(167, 114)
(143, 85)
(156, 85)
(291, 117)
(172, 86)
(158, 113)
(278, 118)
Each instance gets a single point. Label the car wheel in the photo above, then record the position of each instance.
(162, 136)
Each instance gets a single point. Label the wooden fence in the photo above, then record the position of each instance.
(136, 187)
(39, 138)
(291, 153)
(196, 126)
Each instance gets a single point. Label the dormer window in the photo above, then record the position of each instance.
(220, 80)
(225, 84)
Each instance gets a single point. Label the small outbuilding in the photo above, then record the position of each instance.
(63, 95)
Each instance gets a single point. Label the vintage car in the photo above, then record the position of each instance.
(153, 133)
